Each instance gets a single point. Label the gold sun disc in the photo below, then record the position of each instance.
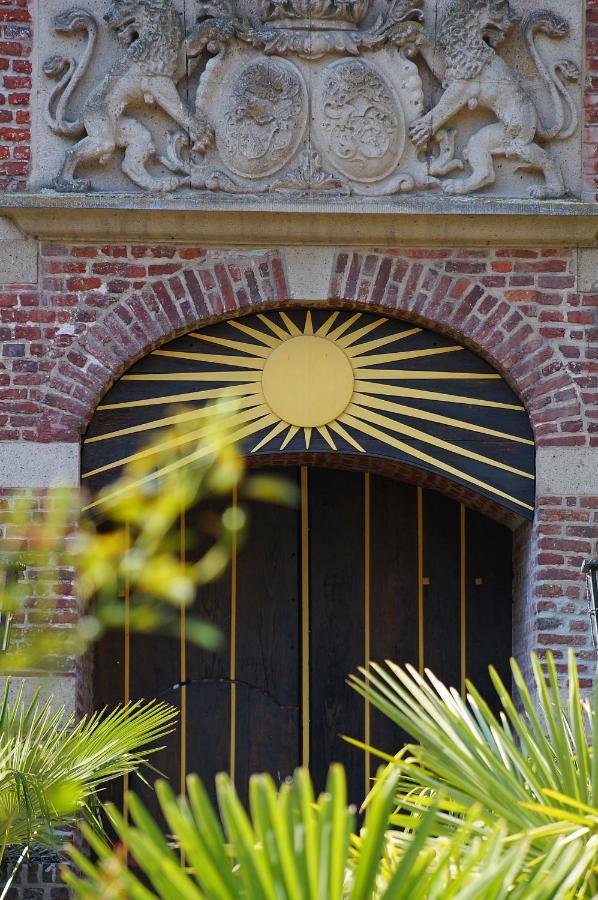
(308, 381)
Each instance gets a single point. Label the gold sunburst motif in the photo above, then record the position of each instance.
(334, 381)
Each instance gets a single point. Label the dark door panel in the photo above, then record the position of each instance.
(365, 568)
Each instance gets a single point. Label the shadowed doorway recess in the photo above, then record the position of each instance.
(367, 568)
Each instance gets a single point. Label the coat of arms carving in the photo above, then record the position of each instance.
(314, 95)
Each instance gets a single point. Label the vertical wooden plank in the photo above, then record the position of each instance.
(463, 594)
(208, 693)
(183, 662)
(127, 662)
(336, 508)
(421, 661)
(442, 587)
(268, 645)
(305, 658)
(108, 690)
(233, 642)
(489, 602)
(394, 588)
(367, 611)
(154, 671)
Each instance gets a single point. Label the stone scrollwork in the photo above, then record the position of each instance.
(307, 96)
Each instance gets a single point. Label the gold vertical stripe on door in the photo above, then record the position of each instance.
(305, 700)
(463, 562)
(233, 640)
(367, 549)
(420, 580)
(127, 657)
(183, 661)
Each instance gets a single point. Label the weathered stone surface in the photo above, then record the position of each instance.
(569, 470)
(588, 271)
(216, 98)
(33, 465)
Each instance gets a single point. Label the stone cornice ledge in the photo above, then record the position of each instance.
(225, 220)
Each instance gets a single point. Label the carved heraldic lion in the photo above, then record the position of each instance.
(464, 59)
(148, 71)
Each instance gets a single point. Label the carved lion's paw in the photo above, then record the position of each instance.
(420, 131)
(546, 193)
(72, 185)
(455, 188)
(202, 136)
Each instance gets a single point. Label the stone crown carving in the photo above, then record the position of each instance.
(304, 97)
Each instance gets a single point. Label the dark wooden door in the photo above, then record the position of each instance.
(366, 568)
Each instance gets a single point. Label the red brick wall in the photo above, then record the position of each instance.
(15, 94)
(98, 308)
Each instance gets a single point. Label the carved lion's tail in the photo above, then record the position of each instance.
(68, 73)
(565, 70)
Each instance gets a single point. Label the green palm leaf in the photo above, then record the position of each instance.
(292, 847)
(53, 766)
(532, 769)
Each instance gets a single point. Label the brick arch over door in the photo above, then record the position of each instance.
(119, 310)
(107, 333)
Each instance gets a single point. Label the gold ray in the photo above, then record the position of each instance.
(234, 437)
(180, 440)
(361, 332)
(327, 436)
(391, 390)
(430, 375)
(424, 457)
(406, 430)
(292, 328)
(290, 435)
(336, 426)
(340, 329)
(307, 432)
(194, 376)
(309, 325)
(275, 327)
(235, 390)
(266, 339)
(216, 358)
(378, 358)
(270, 436)
(325, 328)
(241, 346)
(380, 342)
(410, 412)
(155, 424)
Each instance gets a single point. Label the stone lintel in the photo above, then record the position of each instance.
(213, 220)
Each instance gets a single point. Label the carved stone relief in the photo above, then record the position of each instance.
(369, 97)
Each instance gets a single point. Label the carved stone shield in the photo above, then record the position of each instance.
(360, 124)
(264, 118)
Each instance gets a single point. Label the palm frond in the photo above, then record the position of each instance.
(290, 846)
(52, 766)
(534, 769)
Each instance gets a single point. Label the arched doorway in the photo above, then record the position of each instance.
(367, 567)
